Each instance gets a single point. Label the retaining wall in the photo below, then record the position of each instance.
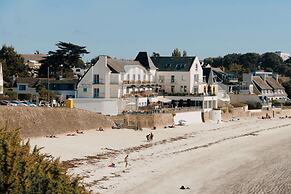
(41, 121)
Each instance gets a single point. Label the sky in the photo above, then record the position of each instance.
(122, 28)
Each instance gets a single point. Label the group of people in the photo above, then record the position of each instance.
(150, 137)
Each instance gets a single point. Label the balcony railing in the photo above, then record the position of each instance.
(136, 82)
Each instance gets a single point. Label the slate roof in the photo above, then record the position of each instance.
(209, 75)
(117, 65)
(173, 63)
(32, 82)
(274, 84)
(261, 83)
(145, 60)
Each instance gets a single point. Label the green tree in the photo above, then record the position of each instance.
(24, 170)
(155, 54)
(287, 86)
(62, 60)
(176, 53)
(12, 63)
(271, 60)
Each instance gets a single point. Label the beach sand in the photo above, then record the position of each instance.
(246, 156)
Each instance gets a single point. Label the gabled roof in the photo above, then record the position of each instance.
(261, 83)
(117, 65)
(209, 75)
(173, 63)
(274, 83)
(145, 60)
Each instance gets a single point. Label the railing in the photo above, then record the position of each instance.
(137, 82)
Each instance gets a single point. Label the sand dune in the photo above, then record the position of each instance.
(248, 156)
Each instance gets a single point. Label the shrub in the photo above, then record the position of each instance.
(256, 105)
(25, 170)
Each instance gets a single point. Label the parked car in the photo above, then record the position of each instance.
(4, 102)
(18, 103)
(30, 104)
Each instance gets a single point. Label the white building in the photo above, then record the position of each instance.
(33, 61)
(112, 78)
(266, 86)
(1, 80)
(123, 83)
(284, 56)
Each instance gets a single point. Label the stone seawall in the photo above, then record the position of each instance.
(39, 121)
(145, 120)
(240, 113)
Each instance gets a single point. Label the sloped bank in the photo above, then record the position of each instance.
(41, 121)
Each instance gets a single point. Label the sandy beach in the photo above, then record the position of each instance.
(246, 156)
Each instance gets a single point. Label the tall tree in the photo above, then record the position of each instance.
(176, 53)
(62, 60)
(271, 60)
(185, 53)
(13, 64)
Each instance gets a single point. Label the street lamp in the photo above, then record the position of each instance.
(61, 70)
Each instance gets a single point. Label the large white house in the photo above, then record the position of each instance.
(119, 83)
(112, 78)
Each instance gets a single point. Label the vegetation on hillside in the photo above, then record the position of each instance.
(24, 170)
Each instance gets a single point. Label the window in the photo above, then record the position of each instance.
(128, 77)
(181, 89)
(138, 77)
(195, 90)
(185, 89)
(84, 89)
(161, 79)
(172, 89)
(196, 77)
(133, 77)
(182, 78)
(96, 79)
(172, 78)
(96, 93)
(22, 87)
(144, 77)
(78, 70)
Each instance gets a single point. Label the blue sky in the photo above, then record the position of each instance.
(121, 28)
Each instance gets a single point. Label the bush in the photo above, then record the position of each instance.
(254, 105)
(276, 103)
(23, 170)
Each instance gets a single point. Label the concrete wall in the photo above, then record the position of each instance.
(189, 117)
(147, 120)
(40, 121)
(244, 98)
(241, 113)
(104, 106)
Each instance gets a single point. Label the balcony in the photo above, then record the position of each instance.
(137, 82)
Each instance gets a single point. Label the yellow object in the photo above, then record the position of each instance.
(70, 103)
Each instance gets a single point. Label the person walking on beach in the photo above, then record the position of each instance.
(126, 161)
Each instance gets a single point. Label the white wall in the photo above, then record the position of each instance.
(103, 106)
(166, 84)
(189, 117)
(103, 71)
